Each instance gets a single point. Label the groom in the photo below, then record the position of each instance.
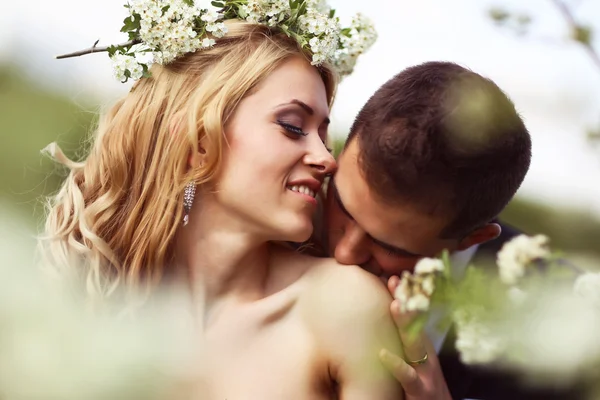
(431, 160)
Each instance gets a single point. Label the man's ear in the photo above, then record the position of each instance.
(480, 235)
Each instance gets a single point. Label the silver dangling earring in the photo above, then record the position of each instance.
(188, 199)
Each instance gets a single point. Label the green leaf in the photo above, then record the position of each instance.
(346, 32)
(189, 3)
(217, 4)
(446, 261)
(302, 8)
(165, 9)
(331, 13)
(112, 49)
(131, 23)
(147, 73)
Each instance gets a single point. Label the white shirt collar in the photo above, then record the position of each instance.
(459, 260)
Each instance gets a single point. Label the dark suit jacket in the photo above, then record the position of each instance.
(469, 382)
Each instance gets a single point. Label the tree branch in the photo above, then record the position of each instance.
(95, 49)
(568, 15)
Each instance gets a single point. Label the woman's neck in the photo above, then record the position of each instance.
(222, 263)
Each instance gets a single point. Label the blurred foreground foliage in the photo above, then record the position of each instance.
(31, 117)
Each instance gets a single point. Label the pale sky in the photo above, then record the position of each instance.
(554, 85)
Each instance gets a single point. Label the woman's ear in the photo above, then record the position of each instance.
(195, 158)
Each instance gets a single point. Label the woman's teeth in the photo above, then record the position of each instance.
(302, 189)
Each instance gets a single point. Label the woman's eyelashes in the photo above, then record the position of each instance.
(291, 129)
(297, 132)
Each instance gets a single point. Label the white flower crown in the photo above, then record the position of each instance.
(162, 30)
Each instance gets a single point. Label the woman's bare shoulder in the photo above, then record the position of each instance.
(347, 310)
(333, 287)
(345, 291)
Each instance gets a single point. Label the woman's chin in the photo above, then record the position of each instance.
(300, 233)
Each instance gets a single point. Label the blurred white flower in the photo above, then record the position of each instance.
(418, 302)
(476, 341)
(429, 266)
(53, 349)
(555, 337)
(587, 286)
(414, 290)
(428, 285)
(516, 254)
(516, 296)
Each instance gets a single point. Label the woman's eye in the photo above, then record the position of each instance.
(292, 128)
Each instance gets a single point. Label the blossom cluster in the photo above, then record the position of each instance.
(168, 29)
(415, 290)
(476, 341)
(587, 287)
(323, 33)
(268, 12)
(359, 38)
(518, 253)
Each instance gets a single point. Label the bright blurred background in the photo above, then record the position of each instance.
(552, 79)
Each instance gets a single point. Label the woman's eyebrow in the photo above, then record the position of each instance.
(309, 110)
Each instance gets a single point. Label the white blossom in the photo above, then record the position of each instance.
(428, 285)
(123, 63)
(207, 42)
(361, 38)
(414, 291)
(516, 254)
(418, 302)
(587, 286)
(516, 296)
(210, 16)
(429, 266)
(403, 291)
(476, 341)
(218, 30)
(169, 29)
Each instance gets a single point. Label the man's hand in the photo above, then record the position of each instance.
(420, 380)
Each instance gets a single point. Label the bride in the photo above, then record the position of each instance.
(197, 175)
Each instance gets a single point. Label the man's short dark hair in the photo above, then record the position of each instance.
(444, 139)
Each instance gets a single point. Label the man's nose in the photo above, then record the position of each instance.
(353, 246)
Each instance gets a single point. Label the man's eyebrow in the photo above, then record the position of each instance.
(394, 249)
(386, 246)
(305, 107)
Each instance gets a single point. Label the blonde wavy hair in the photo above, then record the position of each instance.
(113, 222)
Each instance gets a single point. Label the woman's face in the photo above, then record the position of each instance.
(275, 158)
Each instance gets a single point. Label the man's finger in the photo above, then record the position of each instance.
(404, 373)
(414, 349)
